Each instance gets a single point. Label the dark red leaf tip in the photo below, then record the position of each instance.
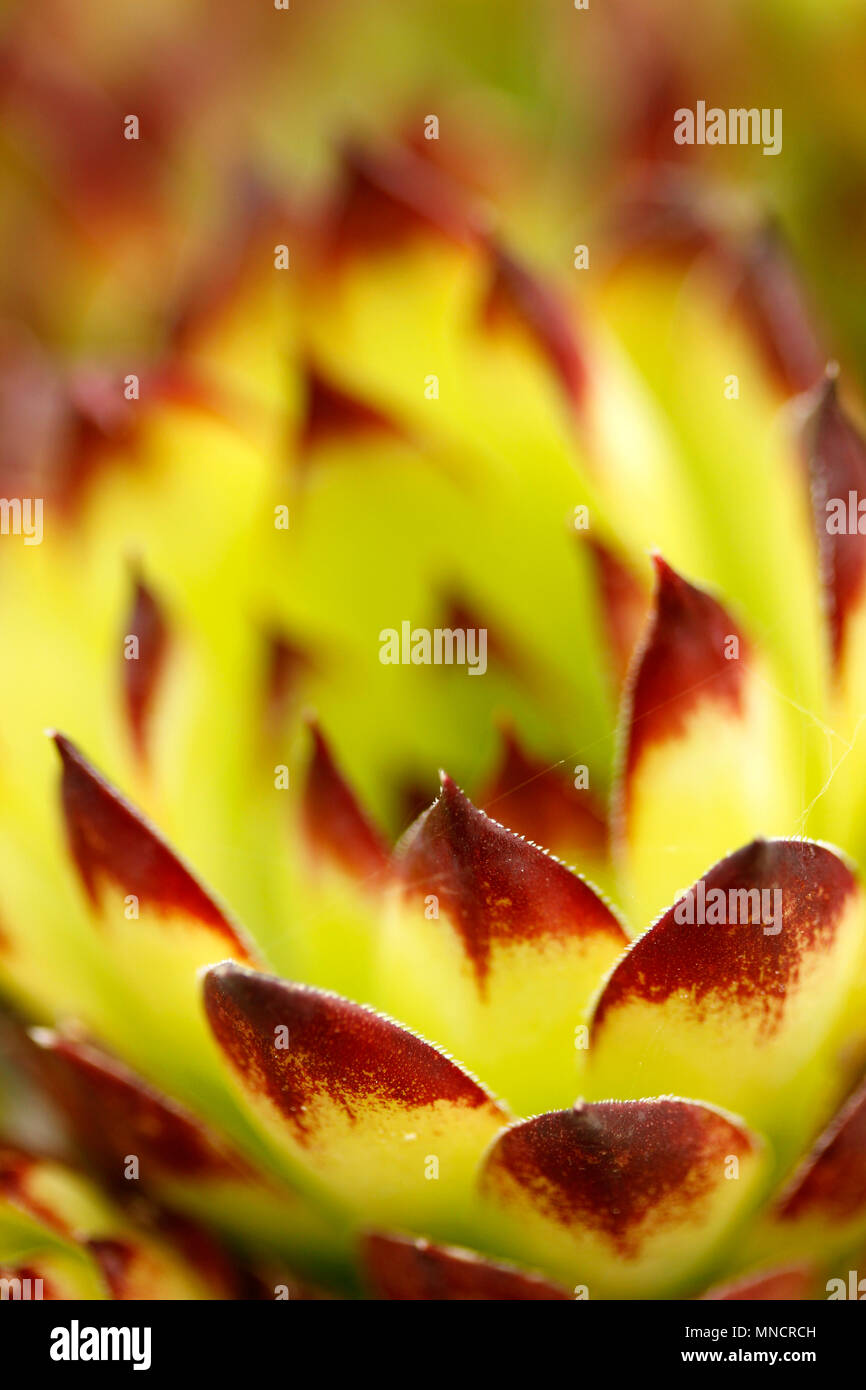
(336, 1049)
(491, 884)
(113, 1112)
(789, 1282)
(515, 292)
(832, 1183)
(111, 842)
(622, 1169)
(334, 823)
(331, 412)
(683, 661)
(624, 603)
(836, 455)
(771, 299)
(540, 803)
(746, 963)
(389, 197)
(143, 666)
(286, 666)
(410, 1270)
(116, 1259)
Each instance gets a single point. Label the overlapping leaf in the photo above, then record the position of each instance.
(496, 948)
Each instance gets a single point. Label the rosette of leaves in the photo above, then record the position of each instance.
(489, 1059)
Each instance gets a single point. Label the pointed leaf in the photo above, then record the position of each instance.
(624, 602)
(116, 850)
(389, 197)
(115, 1116)
(770, 1285)
(114, 1113)
(540, 803)
(141, 672)
(156, 926)
(772, 300)
(735, 992)
(334, 823)
(496, 948)
(697, 699)
(408, 1270)
(835, 453)
(332, 412)
(518, 295)
(375, 1115)
(628, 1198)
(824, 1206)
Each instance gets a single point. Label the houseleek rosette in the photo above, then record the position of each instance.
(451, 1066)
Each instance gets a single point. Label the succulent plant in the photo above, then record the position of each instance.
(596, 1031)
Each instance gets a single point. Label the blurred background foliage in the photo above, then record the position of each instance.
(543, 107)
(558, 388)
